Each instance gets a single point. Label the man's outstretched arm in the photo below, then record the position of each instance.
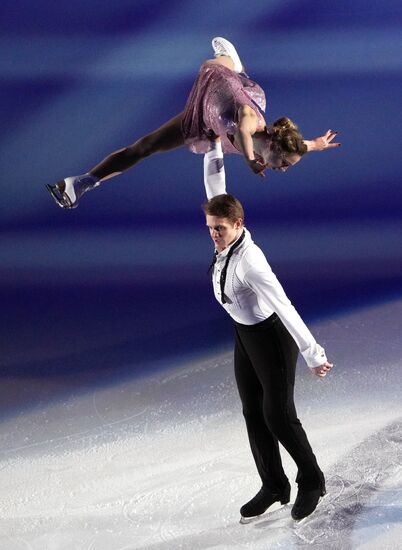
(214, 171)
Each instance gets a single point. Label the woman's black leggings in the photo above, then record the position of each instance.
(265, 364)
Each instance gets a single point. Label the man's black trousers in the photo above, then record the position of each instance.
(265, 364)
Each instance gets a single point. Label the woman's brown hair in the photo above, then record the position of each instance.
(285, 136)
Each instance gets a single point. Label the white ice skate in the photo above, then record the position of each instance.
(222, 46)
(67, 192)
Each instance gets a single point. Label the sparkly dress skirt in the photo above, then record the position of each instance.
(211, 108)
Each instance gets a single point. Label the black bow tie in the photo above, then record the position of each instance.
(225, 267)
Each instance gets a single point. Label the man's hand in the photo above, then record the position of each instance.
(257, 167)
(322, 370)
(322, 142)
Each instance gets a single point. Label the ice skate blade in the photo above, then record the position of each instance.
(266, 515)
(244, 521)
(61, 199)
(56, 195)
(298, 522)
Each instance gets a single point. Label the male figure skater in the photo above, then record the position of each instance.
(269, 333)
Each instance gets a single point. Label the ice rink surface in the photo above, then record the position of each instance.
(162, 462)
(117, 432)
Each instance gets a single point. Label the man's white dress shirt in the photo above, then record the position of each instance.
(253, 293)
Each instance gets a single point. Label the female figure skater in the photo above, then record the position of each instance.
(268, 336)
(223, 103)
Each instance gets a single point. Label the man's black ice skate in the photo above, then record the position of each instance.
(306, 502)
(261, 502)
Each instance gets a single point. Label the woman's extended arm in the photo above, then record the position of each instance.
(247, 126)
(322, 142)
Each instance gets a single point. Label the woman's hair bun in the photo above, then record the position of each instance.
(285, 123)
(285, 135)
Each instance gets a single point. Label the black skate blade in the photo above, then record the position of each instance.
(56, 195)
(298, 522)
(268, 514)
(62, 199)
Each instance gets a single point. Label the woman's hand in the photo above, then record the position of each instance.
(322, 370)
(257, 167)
(322, 142)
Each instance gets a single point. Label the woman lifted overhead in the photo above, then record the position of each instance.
(223, 104)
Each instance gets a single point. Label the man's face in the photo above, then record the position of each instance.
(223, 232)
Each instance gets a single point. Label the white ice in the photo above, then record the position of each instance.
(162, 462)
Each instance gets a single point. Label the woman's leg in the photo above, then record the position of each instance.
(68, 192)
(224, 60)
(167, 137)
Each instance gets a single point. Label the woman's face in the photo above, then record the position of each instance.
(284, 161)
(278, 160)
(275, 159)
(223, 232)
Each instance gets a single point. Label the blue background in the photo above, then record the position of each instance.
(118, 286)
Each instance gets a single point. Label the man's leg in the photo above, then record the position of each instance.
(264, 445)
(273, 354)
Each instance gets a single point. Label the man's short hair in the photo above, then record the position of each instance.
(224, 206)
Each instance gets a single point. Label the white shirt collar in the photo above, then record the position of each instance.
(225, 252)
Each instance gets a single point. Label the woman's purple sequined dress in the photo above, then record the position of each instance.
(211, 109)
